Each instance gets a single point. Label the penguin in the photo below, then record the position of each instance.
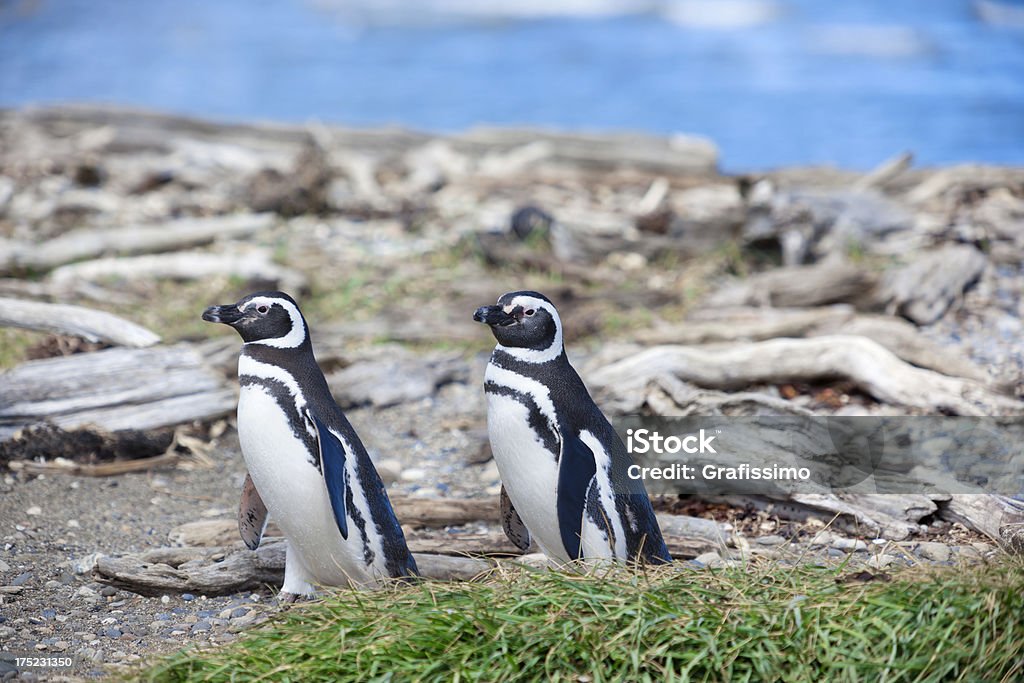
(306, 466)
(563, 467)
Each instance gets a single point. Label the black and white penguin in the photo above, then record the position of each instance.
(307, 467)
(563, 467)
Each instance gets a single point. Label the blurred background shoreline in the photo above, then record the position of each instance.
(771, 82)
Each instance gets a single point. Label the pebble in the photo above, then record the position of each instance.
(413, 474)
(35, 511)
(772, 539)
(4, 567)
(822, 538)
(188, 597)
(201, 626)
(880, 561)
(108, 591)
(936, 552)
(20, 579)
(849, 544)
(112, 632)
(706, 559)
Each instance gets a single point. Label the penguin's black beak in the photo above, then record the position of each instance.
(495, 316)
(229, 314)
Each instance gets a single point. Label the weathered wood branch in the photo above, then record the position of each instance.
(998, 517)
(868, 365)
(114, 389)
(757, 324)
(251, 265)
(78, 321)
(798, 286)
(226, 570)
(172, 235)
(924, 289)
(685, 536)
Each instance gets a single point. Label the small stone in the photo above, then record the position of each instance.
(73, 523)
(4, 567)
(201, 626)
(20, 579)
(35, 510)
(188, 597)
(239, 612)
(770, 540)
(851, 544)
(880, 561)
(413, 474)
(936, 552)
(707, 559)
(821, 538)
(165, 599)
(49, 613)
(51, 584)
(109, 621)
(108, 591)
(112, 632)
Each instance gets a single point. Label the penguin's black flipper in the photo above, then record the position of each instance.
(513, 525)
(332, 465)
(252, 515)
(576, 467)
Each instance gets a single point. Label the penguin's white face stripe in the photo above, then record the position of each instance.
(605, 487)
(524, 385)
(533, 355)
(295, 336)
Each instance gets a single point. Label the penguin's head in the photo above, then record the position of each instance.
(525, 324)
(269, 318)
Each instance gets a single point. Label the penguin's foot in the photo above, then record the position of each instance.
(286, 598)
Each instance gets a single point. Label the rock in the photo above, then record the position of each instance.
(770, 540)
(35, 510)
(849, 544)
(413, 474)
(108, 591)
(201, 626)
(936, 552)
(4, 567)
(708, 559)
(880, 561)
(822, 538)
(187, 597)
(20, 579)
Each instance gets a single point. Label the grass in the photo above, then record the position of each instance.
(777, 624)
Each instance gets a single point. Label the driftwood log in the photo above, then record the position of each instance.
(222, 571)
(254, 265)
(872, 368)
(758, 324)
(77, 321)
(86, 244)
(828, 282)
(924, 289)
(114, 389)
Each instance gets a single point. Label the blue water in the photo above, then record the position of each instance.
(847, 83)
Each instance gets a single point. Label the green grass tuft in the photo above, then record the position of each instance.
(782, 624)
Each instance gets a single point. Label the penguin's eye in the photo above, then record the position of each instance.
(530, 311)
(262, 310)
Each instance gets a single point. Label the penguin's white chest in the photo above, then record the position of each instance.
(294, 491)
(528, 470)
